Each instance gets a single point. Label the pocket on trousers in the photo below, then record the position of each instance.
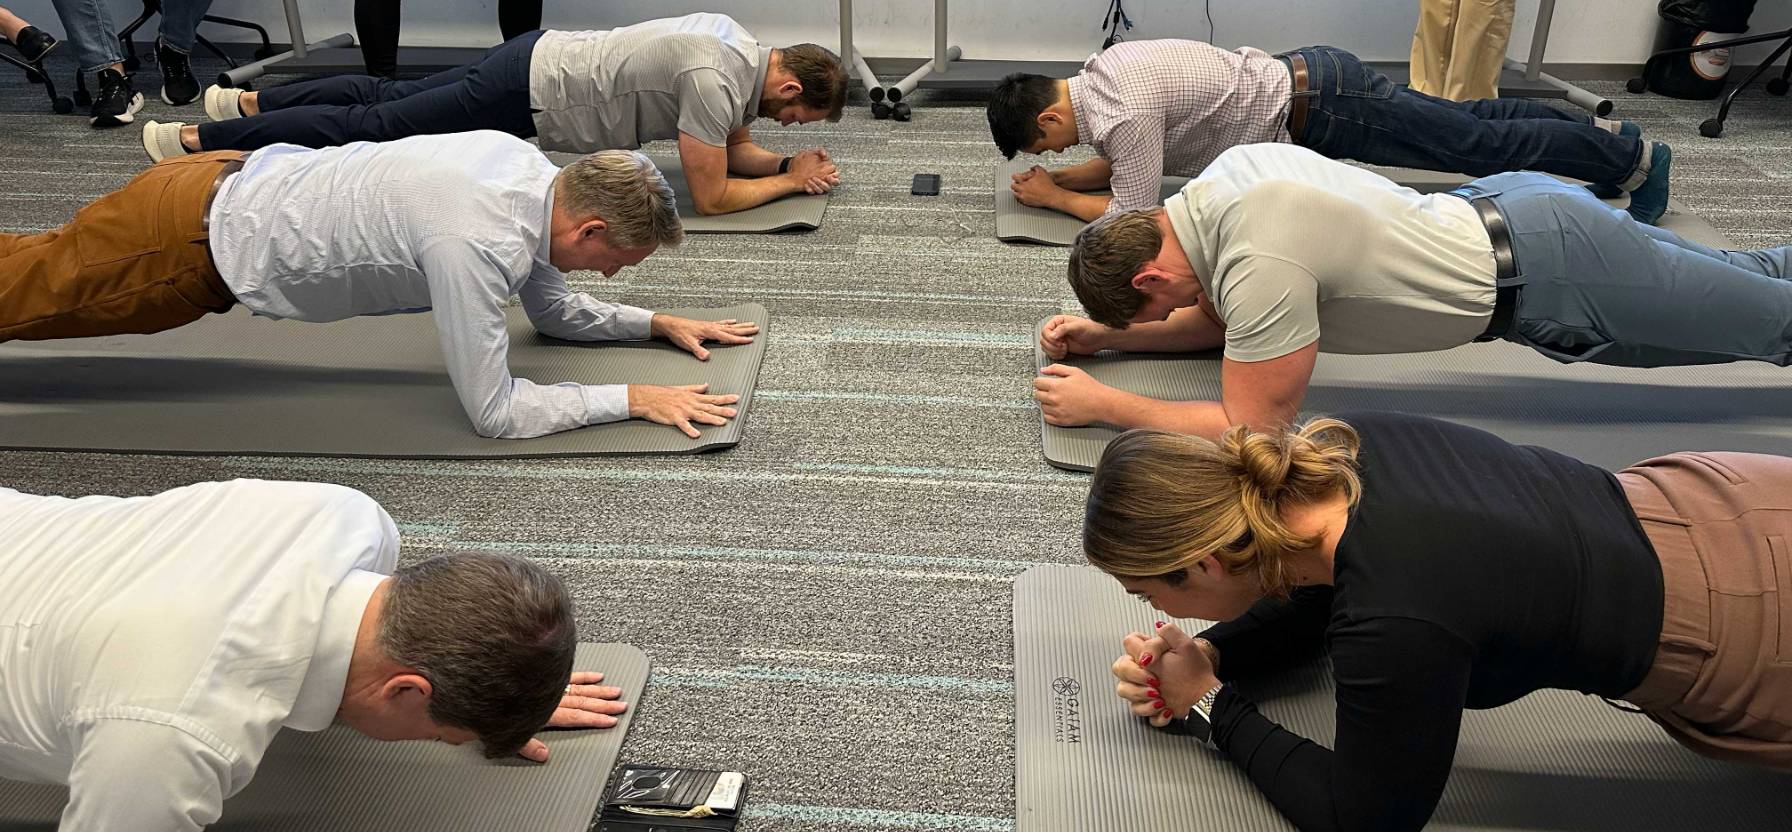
(122, 225)
(1352, 79)
(1781, 606)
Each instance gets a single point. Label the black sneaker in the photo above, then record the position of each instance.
(117, 102)
(34, 43)
(178, 84)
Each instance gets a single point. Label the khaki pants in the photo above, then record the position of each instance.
(1721, 682)
(133, 261)
(1459, 48)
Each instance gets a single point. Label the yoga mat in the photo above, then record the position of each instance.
(1555, 760)
(1018, 223)
(341, 781)
(783, 214)
(372, 387)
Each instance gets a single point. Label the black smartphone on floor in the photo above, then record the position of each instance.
(926, 184)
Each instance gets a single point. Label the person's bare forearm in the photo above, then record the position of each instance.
(1130, 410)
(1085, 207)
(1084, 176)
(741, 194)
(1186, 330)
(749, 159)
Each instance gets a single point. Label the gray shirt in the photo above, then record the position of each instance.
(700, 74)
(1295, 248)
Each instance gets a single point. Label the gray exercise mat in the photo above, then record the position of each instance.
(1018, 223)
(341, 781)
(1554, 760)
(798, 211)
(365, 387)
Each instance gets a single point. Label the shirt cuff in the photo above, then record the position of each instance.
(636, 324)
(605, 403)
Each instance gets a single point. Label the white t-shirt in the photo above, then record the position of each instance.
(1295, 248)
(151, 647)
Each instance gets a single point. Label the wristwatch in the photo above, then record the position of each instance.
(784, 166)
(1199, 722)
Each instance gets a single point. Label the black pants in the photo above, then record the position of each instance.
(376, 28)
(491, 94)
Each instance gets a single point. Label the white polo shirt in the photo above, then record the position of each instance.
(1295, 248)
(151, 647)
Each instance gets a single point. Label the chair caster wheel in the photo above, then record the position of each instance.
(880, 110)
(62, 105)
(1635, 86)
(1711, 128)
(901, 112)
(1776, 86)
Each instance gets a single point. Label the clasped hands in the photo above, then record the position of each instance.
(587, 704)
(1163, 675)
(1035, 187)
(1068, 396)
(815, 170)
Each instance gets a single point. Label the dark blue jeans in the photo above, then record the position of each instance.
(492, 94)
(1600, 287)
(1357, 113)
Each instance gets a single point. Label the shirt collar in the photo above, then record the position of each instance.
(765, 68)
(320, 695)
(1084, 135)
(545, 246)
(1182, 212)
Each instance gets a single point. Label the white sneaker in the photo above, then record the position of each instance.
(161, 140)
(221, 103)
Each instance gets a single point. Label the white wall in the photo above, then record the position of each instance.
(1585, 31)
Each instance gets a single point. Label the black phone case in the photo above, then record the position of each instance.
(925, 184)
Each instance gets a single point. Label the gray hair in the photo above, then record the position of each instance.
(625, 190)
(493, 634)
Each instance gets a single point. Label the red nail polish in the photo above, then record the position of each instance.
(1145, 660)
(1153, 681)
(1158, 704)
(1152, 692)
(1160, 625)
(1166, 714)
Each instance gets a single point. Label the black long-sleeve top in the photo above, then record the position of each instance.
(1472, 573)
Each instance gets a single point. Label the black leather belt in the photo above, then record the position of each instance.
(1298, 104)
(1505, 266)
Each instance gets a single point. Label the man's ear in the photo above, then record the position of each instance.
(1048, 118)
(401, 687)
(594, 227)
(1150, 280)
(790, 89)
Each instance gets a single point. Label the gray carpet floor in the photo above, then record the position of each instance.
(827, 605)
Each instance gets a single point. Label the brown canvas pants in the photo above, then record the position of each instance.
(1721, 524)
(133, 261)
(1459, 47)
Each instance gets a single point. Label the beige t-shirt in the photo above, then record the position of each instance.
(1295, 248)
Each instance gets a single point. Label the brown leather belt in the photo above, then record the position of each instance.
(224, 172)
(1297, 106)
(1505, 266)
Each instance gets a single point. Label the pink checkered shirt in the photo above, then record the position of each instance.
(1169, 107)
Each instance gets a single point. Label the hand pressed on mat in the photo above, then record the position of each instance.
(680, 406)
(587, 704)
(1070, 397)
(1035, 188)
(1163, 676)
(1067, 335)
(815, 170)
(689, 335)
